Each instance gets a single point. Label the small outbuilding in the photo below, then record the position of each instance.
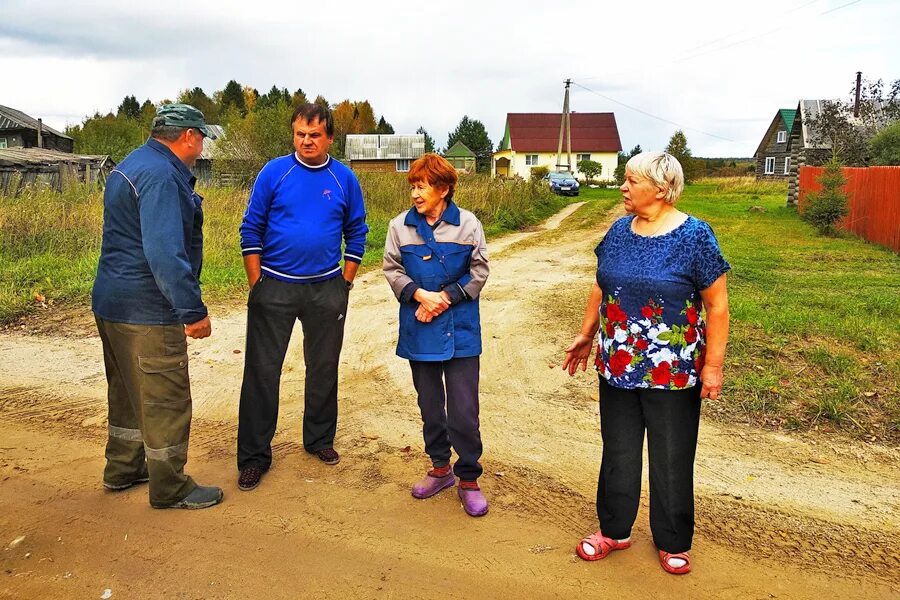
(21, 167)
(461, 157)
(18, 130)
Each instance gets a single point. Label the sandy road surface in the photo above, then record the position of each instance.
(777, 516)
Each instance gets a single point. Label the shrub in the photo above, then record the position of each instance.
(590, 169)
(885, 146)
(827, 207)
(538, 173)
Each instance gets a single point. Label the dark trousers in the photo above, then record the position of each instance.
(149, 396)
(272, 307)
(671, 419)
(448, 399)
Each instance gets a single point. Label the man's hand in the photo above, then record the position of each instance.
(199, 330)
(431, 304)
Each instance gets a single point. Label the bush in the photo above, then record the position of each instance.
(538, 173)
(590, 169)
(885, 146)
(827, 207)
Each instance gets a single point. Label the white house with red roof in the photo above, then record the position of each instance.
(532, 140)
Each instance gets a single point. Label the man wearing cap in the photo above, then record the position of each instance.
(302, 207)
(146, 301)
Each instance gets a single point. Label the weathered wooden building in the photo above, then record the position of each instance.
(461, 157)
(18, 130)
(21, 167)
(773, 156)
(387, 153)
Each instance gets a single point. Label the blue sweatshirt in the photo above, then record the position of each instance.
(152, 250)
(297, 216)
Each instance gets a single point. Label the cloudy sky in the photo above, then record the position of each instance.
(717, 69)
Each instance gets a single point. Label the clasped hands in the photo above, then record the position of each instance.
(431, 304)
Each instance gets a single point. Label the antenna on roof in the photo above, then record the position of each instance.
(565, 125)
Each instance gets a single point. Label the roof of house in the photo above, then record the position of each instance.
(384, 146)
(209, 145)
(539, 132)
(787, 115)
(10, 118)
(808, 110)
(42, 157)
(459, 150)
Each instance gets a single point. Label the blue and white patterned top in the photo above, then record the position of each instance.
(652, 334)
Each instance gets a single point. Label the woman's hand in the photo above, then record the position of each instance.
(711, 377)
(431, 304)
(578, 353)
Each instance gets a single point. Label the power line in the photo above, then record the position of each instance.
(644, 112)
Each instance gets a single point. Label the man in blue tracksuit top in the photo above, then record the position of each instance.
(302, 207)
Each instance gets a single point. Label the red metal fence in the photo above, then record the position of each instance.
(874, 201)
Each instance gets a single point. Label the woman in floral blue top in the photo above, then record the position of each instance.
(657, 270)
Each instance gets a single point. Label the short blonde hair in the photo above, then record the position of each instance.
(660, 168)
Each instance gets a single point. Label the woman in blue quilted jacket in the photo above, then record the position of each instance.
(435, 260)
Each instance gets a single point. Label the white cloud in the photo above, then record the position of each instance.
(706, 65)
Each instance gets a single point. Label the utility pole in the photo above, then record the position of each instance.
(565, 126)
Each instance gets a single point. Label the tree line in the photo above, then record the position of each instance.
(255, 125)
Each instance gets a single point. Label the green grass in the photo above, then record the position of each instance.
(49, 243)
(815, 320)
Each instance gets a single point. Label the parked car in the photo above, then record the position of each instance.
(562, 183)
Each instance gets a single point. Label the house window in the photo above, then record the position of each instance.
(787, 165)
(782, 137)
(2, 142)
(581, 157)
(403, 165)
(531, 160)
(770, 165)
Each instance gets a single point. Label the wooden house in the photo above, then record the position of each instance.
(18, 130)
(773, 155)
(532, 140)
(461, 157)
(21, 167)
(389, 153)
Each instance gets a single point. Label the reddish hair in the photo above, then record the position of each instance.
(435, 170)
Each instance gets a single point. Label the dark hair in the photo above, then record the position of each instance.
(436, 171)
(310, 112)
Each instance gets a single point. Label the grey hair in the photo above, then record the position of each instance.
(168, 133)
(660, 168)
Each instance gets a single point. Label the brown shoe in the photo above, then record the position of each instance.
(328, 456)
(250, 477)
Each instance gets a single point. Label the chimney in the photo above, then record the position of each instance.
(40, 133)
(858, 85)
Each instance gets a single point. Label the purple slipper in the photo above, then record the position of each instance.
(473, 502)
(428, 486)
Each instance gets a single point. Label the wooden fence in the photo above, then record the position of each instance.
(874, 201)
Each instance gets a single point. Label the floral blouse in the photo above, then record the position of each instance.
(652, 334)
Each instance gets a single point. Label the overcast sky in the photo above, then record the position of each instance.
(717, 69)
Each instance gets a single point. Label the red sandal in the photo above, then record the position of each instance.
(601, 544)
(664, 562)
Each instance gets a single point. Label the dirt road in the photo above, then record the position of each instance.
(777, 516)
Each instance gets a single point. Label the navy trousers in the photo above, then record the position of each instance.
(671, 419)
(448, 399)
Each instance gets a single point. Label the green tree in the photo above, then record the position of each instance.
(197, 98)
(321, 101)
(129, 108)
(429, 141)
(148, 112)
(115, 135)
(623, 159)
(384, 127)
(472, 133)
(825, 208)
(233, 98)
(678, 148)
(298, 98)
(590, 168)
(885, 146)
(273, 97)
(251, 141)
